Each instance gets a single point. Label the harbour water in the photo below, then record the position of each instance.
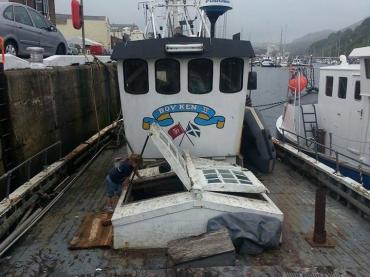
(272, 87)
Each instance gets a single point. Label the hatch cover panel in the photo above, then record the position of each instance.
(171, 153)
(231, 180)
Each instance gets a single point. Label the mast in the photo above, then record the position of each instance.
(177, 16)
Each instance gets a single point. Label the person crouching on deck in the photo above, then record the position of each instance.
(118, 178)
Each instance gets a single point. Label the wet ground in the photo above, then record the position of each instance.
(43, 251)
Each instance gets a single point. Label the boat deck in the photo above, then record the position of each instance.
(43, 251)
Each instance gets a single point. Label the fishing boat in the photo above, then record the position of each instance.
(182, 185)
(297, 62)
(187, 90)
(334, 124)
(267, 62)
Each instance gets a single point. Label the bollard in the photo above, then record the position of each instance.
(319, 237)
(36, 57)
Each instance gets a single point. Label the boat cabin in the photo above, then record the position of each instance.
(194, 88)
(340, 111)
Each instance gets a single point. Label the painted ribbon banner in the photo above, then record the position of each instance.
(206, 116)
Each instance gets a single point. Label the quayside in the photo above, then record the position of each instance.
(43, 251)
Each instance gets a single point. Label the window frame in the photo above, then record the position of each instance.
(125, 79)
(367, 68)
(31, 11)
(242, 75)
(339, 88)
(326, 86)
(12, 8)
(179, 76)
(29, 16)
(357, 96)
(212, 74)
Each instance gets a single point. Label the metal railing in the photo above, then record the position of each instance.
(30, 167)
(315, 151)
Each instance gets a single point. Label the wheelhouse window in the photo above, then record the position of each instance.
(231, 75)
(135, 73)
(329, 86)
(167, 76)
(200, 76)
(8, 13)
(367, 68)
(342, 88)
(358, 90)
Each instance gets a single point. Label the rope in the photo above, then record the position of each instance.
(270, 104)
(94, 98)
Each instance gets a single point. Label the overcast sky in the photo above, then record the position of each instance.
(258, 20)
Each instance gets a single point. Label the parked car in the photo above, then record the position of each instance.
(22, 27)
(72, 49)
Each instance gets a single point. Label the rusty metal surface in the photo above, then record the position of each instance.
(44, 250)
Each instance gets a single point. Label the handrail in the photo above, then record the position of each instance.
(317, 144)
(8, 175)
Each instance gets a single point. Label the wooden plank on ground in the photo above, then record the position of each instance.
(92, 233)
(215, 245)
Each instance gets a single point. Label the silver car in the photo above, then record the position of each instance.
(22, 27)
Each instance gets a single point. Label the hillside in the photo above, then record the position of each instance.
(342, 42)
(300, 46)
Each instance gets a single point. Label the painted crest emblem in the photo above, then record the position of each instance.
(205, 116)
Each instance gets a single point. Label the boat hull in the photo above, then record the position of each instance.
(345, 170)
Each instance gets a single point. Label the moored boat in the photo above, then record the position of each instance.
(334, 124)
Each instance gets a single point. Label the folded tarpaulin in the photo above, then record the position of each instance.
(250, 233)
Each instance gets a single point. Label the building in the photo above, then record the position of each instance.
(122, 31)
(126, 32)
(137, 35)
(46, 7)
(97, 28)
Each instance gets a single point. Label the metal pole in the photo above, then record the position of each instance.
(319, 235)
(83, 28)
(336, 162)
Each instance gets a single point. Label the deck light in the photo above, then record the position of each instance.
(184, 48)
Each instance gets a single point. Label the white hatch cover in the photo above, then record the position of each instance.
(231, 180)
(171, 153)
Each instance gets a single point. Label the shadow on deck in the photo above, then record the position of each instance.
(43, 251)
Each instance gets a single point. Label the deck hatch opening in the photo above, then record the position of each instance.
(153, 189)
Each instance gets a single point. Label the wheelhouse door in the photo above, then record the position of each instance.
(356, 120)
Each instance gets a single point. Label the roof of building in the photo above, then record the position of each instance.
(123, 25)
(156, 48)
(346, 66)
(62, 18)
(360, 52)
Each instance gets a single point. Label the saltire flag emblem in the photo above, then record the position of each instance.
(193, 130)
(176, 131)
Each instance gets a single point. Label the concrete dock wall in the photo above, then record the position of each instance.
(67, 104)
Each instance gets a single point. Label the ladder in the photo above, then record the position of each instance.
(310, 125)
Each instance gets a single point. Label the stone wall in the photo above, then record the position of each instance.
(68, 104)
